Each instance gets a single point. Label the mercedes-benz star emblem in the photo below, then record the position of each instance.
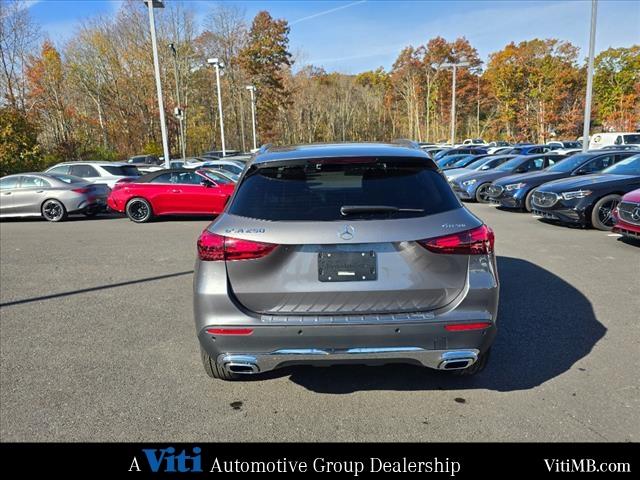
(347, 232)
(635, 215)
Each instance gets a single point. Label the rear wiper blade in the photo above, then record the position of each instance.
(356, 209)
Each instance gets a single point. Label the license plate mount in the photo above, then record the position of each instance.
(347, 266)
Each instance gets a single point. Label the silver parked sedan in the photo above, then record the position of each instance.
(50, 195)
(346, 253)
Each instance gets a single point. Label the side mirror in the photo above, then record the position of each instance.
(485, 167)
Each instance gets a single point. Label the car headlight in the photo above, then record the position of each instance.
(514, 186)
(576, 194)
(469, 182)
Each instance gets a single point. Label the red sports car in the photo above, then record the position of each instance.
(172, 192)
(627, 215)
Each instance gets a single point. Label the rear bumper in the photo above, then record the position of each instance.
(436, 359)
(278, 341)
(93, 205)
(272, 347)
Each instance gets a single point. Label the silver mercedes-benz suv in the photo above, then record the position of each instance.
(344, 253)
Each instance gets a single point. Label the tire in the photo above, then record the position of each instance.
(481, 196)
(211, 367)
(53, 211)
(475, 368)
(527, 201)
(139, 210)
(602, 212)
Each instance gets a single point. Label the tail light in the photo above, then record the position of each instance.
(470, 242)
(462, 327)
(229, 331)
(82, 190)
(213, 247)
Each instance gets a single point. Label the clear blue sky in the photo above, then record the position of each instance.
(352, 36)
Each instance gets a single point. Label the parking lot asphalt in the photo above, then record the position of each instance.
(98, 344)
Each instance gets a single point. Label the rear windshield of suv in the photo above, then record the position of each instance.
(318, 189)
(122, 171)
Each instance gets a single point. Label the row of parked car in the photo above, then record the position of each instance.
(199, 186)
(561, 185)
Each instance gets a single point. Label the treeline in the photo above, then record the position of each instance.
(95, 98)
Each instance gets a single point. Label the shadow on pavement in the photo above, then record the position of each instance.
(94, 289)
(545, 326)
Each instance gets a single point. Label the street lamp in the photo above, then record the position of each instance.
(179, 113)
(156, 67)
(252, 89)
(587, 103)
(219, 65)
(453, 96)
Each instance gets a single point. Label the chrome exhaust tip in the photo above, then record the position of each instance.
(457, 360)
(240, 364)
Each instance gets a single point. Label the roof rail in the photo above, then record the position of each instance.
(407, 143)
(265, 148)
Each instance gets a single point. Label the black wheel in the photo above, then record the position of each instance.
(482, 196)
(602, 213)
(53, 211)
(139, 210)
(475, 368)
(527, 202)
(211, 367)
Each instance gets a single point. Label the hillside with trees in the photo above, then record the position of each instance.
(94, 96)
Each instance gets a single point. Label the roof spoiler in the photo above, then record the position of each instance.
(406, 143)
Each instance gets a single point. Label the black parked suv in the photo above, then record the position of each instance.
(515, 191)
(588, 199)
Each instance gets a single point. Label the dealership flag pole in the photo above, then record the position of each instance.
(587, 102)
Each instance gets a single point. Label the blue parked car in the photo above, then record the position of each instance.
(475, 185)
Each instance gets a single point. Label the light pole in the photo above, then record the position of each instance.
(156, 67)
(179, 113)
(587, 103)
(453, 96)
(218, 66)
(252, 89)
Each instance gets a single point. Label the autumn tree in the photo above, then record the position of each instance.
(19, 148)
(266, 60)
(19, 36)
(538, 88)
(616, 87)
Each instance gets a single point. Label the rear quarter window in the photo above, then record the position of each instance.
(316, 190)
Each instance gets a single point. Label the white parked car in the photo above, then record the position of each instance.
(474, 141)
(108, 173)
(232, 166)
(599, 140)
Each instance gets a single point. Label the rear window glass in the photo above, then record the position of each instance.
(122, 171)
(318, 189)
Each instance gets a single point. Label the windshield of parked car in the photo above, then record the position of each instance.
(569, 164)
(628, 166)
(316, 190)
(510, 165)
(463, 162)
(67, 178)
(451, 159)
